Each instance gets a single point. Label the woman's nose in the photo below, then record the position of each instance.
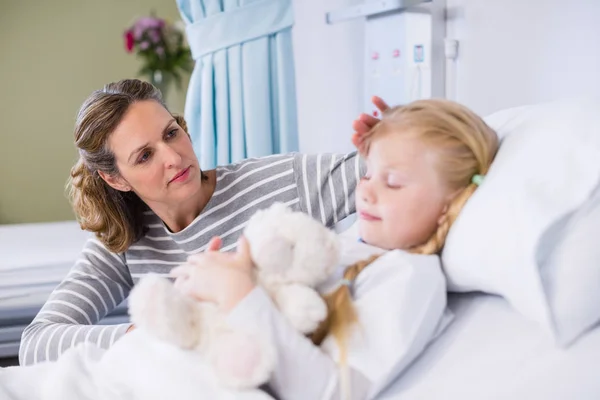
(171, 157)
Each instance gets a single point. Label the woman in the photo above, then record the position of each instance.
(139, 187)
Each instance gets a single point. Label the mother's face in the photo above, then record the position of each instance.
(154, 156)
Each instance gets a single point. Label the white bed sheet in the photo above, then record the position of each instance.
(491, 352)
(34, 258)
(35, 245)
(21, 282)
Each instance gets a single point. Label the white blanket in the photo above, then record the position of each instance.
(136, 367)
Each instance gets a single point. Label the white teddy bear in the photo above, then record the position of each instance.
(292, 254)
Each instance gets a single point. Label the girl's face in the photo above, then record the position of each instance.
(402, 197)
(154, 156)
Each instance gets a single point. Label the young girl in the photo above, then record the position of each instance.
(424, 160)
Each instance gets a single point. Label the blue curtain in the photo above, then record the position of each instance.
(241, 101)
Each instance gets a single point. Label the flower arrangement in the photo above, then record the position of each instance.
(162, 48)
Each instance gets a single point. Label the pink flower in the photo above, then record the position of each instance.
(154, 35)
(160, 51)
(145, 23)
(129, 41)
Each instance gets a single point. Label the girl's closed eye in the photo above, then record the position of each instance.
(394, 182)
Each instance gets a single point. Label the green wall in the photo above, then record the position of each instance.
(53, 54)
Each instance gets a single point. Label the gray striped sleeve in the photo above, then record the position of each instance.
(327, 185)
(97, 283)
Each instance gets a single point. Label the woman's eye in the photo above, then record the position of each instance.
(172, 133)
(144, 157)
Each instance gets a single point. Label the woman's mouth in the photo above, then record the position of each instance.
(181, 176)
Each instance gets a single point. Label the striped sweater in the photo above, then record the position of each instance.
(321, 185)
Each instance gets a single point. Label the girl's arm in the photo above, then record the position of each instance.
(303, 371)
(400, 300)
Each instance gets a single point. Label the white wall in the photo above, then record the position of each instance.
(329, 63)
(397, 78)
(515, 52)
(512, 52)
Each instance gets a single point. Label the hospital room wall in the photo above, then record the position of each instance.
(329, 70)
(52, 55)
(515, 52)
(511, 52)
(62, 50)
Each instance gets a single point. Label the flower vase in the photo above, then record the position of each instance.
(162, 82)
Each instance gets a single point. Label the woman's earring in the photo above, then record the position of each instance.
(444, 217)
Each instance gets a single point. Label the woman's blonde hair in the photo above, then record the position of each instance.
(114, 216)
(466, 147)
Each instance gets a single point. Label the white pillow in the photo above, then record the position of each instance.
(568, 256)
(547, 165)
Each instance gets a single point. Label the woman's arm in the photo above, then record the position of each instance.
(326, 184)
(98, 282)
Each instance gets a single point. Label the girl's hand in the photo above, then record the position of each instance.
(363, 125)
(221, 278)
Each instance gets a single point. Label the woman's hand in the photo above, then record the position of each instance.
(221, 278)
(365, 122)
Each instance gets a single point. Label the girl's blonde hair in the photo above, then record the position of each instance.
(114, 216)
(466, 147)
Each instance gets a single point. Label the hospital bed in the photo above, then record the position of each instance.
(489, 351)
(492, 352)
(34, 258)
